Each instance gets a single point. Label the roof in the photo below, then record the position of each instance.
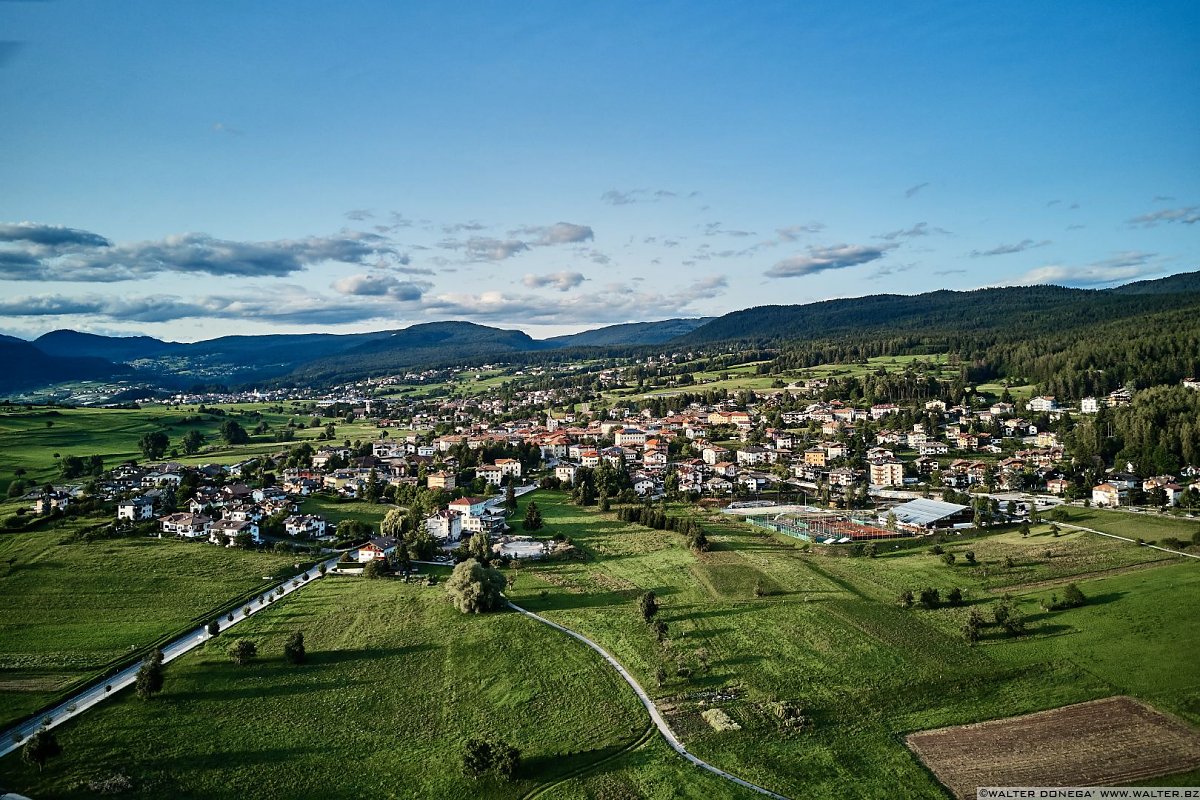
(925, 512)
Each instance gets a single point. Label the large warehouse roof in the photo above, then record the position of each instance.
(925, 512)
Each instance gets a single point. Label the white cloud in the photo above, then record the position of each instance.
(562, 281)
(1122, 267)
(820, 259)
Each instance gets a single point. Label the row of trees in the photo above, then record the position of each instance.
(658, 519)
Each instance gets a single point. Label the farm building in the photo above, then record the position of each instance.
(926, 514)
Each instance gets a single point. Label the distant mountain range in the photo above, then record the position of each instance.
(66, 355)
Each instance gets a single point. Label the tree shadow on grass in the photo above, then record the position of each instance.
(222, 759)
(562, 601)
(555, 766)
(259, 691)
(705, 634)
(711, 613)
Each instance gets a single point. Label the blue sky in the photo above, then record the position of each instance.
(189, 170)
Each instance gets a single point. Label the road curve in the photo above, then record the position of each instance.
(98, 692)
(652, 709)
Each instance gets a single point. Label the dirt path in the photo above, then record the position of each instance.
(651, 708)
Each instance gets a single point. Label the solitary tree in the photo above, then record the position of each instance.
(1072, 597)
(475, 588)
(293, 649)
(533, 518)
(393, 524)
(972, 628)
(510, 498)
(954, 597)
(154, 444)
(150, 676)
(481, 757)
(930, 597)
(213, 628)
(242, 651)
(233, 433)
(477, 758)
(40, 748)
(648, 604)
(481, 547)
(506, 760)
(192, 441)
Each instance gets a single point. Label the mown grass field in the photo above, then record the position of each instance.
(396, 682)
(828, 636)
(399, 679)
(1134, 525)
(30, 438)
(333, 511)
(69, 608)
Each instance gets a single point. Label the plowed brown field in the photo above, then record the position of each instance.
(1102, 743)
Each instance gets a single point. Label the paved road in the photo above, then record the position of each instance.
(108, 687)
(657, 718)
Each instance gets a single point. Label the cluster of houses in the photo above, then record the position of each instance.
(717, 450)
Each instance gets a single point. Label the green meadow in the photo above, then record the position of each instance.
(71, 608)
(827, 636)
(399, 680)
(395, 683)
(35, 438)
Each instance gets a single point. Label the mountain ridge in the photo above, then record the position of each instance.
(241, 359)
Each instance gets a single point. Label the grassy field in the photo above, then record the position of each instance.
(828, 637)
(333, 511)
(399, 680)
(70, 608)
(396, 682)
(1132, 525)
(31, 438)
(938, 364)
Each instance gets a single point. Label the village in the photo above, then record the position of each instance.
(449, 462)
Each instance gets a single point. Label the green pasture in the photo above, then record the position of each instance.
(71, 607)
(395, 683)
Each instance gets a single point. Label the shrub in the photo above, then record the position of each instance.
(293, 649)
(905, 598)
(243, 651)
(648, 605)
(930, 597)
(937, 550)
(949, 559)
(954, 597)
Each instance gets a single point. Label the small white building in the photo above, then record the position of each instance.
(445, 525)
(138, 509)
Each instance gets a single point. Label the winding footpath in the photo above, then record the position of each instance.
(655, 716)
(15, 737)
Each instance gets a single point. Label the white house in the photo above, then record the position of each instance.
(138, 509)
(445, 525)
(226, 531)
(305, 525)
(378, 547)
(566, 473)
(185, 525)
